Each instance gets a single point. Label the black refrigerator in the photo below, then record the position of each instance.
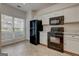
(35, 28)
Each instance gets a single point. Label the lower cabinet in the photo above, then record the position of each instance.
(43, 38)
(71, 44)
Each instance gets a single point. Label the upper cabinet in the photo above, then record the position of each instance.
(71, 15)
(45, 21)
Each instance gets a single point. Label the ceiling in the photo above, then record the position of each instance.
(30, 6)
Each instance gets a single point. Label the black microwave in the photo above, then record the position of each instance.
(56, 20)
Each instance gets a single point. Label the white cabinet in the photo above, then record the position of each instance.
(43, 38)
(71, 15)
(71, 43)
(72, 19)
(45, 21)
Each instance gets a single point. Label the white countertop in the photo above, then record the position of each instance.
(66, 33)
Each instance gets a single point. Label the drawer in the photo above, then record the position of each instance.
(71, 37)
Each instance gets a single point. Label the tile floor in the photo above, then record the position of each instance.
(27, 49)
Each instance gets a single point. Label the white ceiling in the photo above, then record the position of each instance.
(31, 6)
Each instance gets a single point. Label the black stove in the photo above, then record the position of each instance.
(55, 38)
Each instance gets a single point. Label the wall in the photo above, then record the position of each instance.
(71, 14)
(6, 9)
(11, 11)
(29, 16)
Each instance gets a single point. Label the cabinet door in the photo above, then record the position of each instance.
(71, 44)
(43, 38)
(71, 15)
(45, 21)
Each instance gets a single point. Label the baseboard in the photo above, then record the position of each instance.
(67, 52)
(3, 45)
(43, 44)
(71, 53)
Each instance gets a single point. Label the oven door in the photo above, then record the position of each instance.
(55, 41)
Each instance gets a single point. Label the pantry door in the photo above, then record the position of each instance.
(6, 29)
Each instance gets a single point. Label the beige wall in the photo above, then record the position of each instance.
(71, 14)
